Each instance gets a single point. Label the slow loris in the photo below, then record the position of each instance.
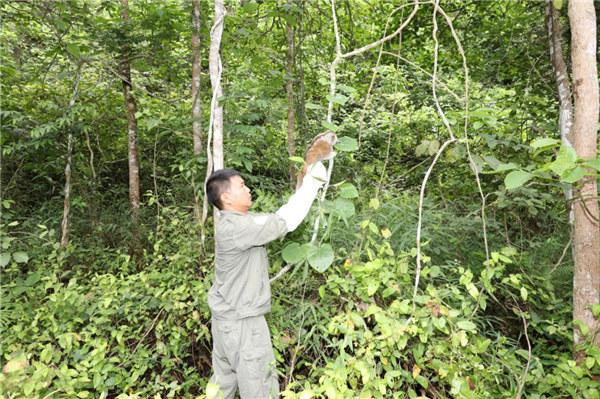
(320, 149)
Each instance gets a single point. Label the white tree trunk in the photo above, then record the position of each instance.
(215, 73)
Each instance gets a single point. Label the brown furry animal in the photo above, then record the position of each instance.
(320, 149)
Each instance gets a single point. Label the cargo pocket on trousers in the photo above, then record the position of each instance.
(230, 334)
(255, 360)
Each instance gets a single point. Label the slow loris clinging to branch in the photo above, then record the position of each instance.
(320, 149)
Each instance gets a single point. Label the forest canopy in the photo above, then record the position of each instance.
(454, 252)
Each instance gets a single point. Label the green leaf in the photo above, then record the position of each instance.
(374, 203)
(320, 258)
(573, 175)
(466, 325)
(544, 142)
(596, 309)
(584, 329)
(73, 49)
(593, 164)
(62, 25)
(567, 153)
(32, 279)
(422, 148)
(347, 89)
(493, 162)
(338, 98)
(344, 207)
(434, 147)
(346, 144)
(249, 7)
(560, 165)
(455, 153)
(524, 293)
(422, 381)
(331, 126)
(347, 190)
(516, 179)
(152, 122)
(20, 257)
(4, 259)
(558, 4)
(372, 287)
(503, 167)
(294, 252)
(589, 362)
(312, 106)
(296, 159)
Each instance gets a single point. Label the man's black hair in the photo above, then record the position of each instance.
(218, 183)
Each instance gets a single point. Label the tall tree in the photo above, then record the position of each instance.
(196, 99)
(132, 128)
(215, 80)
(289, 87)
(586, 279)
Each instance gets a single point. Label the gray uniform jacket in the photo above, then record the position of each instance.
(241, 288)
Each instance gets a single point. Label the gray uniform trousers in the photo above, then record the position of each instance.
(243, 358)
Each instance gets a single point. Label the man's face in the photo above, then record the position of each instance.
(238, 196)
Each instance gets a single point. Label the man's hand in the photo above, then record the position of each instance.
(318, 172)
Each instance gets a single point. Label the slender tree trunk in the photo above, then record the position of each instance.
(214, 62)
(132, 130)
(561, 77)
(215, 73)
(586, 279)
(196, 99)
(289, 87)
(68, 170)
(302, 118)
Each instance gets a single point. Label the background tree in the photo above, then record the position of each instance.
(586, 241)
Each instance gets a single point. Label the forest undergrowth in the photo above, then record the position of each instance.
(95, 321)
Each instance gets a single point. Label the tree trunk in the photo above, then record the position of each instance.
(196, 99)
(68, 170)
(586, 279)
(561, 77)
(215, 75)
(289, 87)
(132, 130)
(214, 62)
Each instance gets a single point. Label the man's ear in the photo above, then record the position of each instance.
(225, 198)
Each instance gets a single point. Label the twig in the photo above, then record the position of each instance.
(52, 393)
(141, 340)
(522, 384)
(283, 271)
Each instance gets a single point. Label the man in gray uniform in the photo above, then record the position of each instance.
(241, 294)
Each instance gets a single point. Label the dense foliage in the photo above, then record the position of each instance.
(118, 314)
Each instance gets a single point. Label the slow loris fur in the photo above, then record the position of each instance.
(320, 149)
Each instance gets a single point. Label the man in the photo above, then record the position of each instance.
(241, 294)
